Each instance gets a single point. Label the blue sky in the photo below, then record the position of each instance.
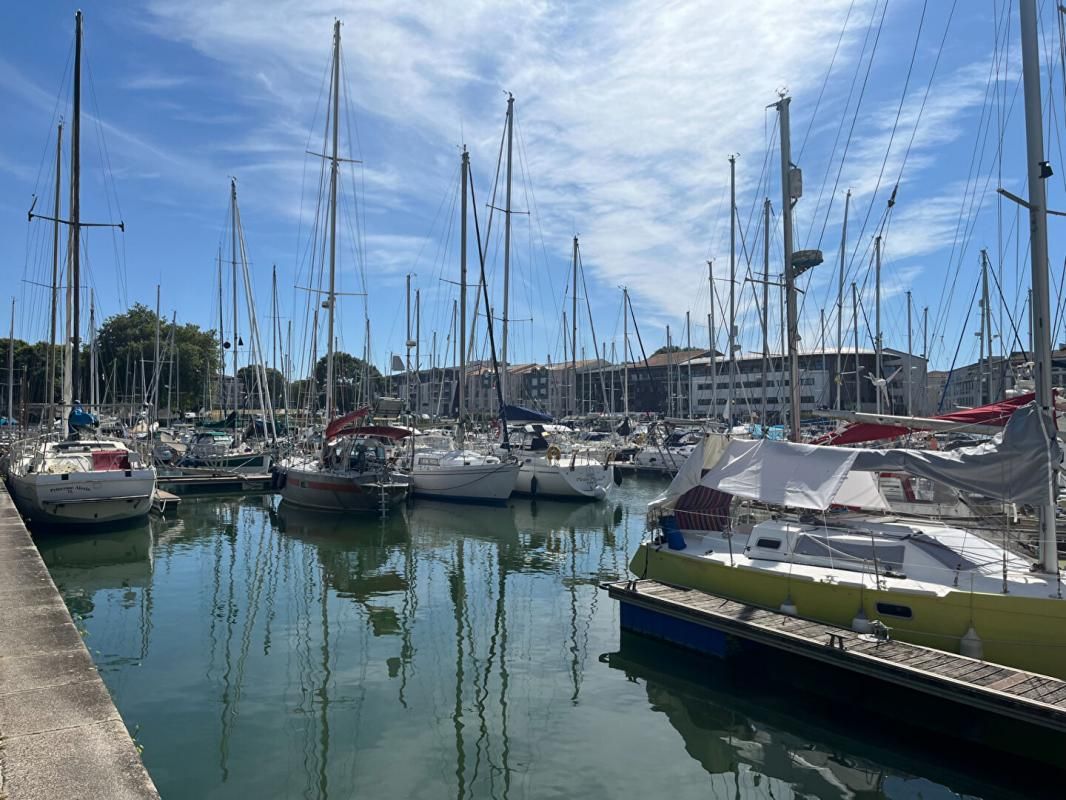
(627, 113)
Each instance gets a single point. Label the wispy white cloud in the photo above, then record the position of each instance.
(626, 113)
(154, 81)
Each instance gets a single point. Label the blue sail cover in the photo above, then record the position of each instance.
(80, 418)
(523, 414)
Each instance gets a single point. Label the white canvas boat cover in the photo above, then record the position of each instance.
(776, 473)
(1015, 466)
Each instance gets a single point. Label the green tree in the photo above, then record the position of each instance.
(125, 339)
(348, 375)
(30, 377)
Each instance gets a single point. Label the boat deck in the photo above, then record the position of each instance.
(1031, 698)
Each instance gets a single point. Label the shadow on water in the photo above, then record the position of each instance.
(760, 720)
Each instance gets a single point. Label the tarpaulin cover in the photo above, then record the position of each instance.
(1016, 466)
(776, 473)
(991, 414)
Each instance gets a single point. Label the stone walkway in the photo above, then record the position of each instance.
(60, 734)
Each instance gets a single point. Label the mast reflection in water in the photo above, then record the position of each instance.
(449, 651)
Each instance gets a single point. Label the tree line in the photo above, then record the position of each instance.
(190, 361)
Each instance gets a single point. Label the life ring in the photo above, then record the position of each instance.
(554, 453)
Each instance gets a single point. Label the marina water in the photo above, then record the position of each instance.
(255, 650)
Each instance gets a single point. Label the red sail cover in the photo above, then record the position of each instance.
(992, 414)
(350, 420)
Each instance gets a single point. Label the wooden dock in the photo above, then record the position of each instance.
(1024, 696)
(215, 482)
(163, 501)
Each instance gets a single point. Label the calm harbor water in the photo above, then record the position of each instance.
(256, 651)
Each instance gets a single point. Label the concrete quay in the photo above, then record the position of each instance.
(60, 734)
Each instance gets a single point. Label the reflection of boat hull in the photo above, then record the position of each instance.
(86, 498)
(118, 560)
(584, 481)
(478, 483)
(336, 491)
(788, 724)
(481, 521)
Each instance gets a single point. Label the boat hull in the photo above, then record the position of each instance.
(84, 498)
(329, 491)
(476, 483)
(1024, 632)
(245, 463)
(588, 481)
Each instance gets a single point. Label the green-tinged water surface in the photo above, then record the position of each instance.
(258, 651)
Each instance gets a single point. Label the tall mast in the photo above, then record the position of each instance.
(688, 359)
(988, 327)
(50, 405)
(840, 302)
(236, 338)
(1040, 307)
(765, 308)
(418, 349)
(409, 344)
(507, 246)
(75, 213)
(669, 375)
(712, 335)
(792, 320)
(94, 388)
(925, 332)
(11, 367)
(157, 368)
(732, 285)
(910, 356)
(331, 298)
(464, 171)
(855, 331)
(274, 318)
(573, 328)
(221, 342)
(878, 356)
(625, 351)
(982, 363)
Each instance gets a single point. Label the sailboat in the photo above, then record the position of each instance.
(446, 470)
(220, 446)
(354, 470)
(76, 476)
(802, 529)
(549, 466)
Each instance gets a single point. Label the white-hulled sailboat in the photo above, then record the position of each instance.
(76, 477)
(446, 470)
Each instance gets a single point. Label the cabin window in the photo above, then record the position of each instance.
(769, 544)
(893, 610)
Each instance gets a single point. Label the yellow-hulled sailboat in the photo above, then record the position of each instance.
(823, 555)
